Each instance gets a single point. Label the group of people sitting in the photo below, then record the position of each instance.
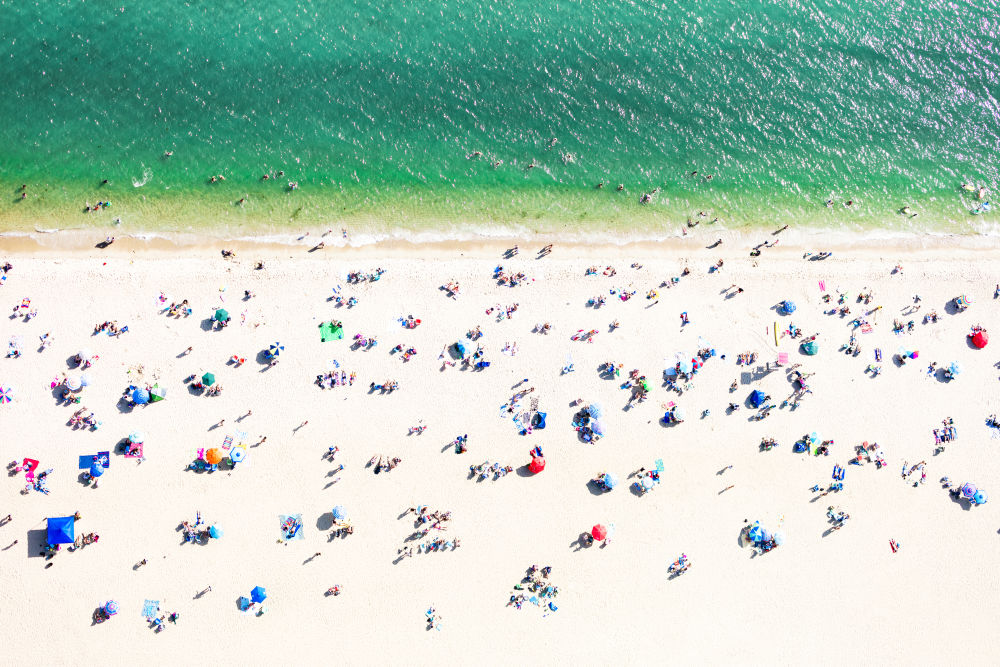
(111, 328)
(335, 379)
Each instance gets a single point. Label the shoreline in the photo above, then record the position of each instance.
(736, 243)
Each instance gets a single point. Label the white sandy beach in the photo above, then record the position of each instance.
(823, 597)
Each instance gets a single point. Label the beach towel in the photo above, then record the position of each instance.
(782, 357)
(133, 451)
(87, 460)
(328, 332)
(866, 328)
(822, 286)
(297, 533)
(659, 465)
(149, 608)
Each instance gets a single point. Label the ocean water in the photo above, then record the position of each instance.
(405, 115)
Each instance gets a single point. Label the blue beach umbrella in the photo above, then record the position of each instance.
(258, 594)
(788, 307)
(955, 368)
(756, 533)
(339, 512)
(275, 349)
(140, 397)
(969, 490)
(757, 397)
(810, 347)
(215, 532)
(111, 608)
(979, 498)
(610, 480)
(96, 470)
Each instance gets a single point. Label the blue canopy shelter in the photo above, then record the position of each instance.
(757, 397)
(60, 530)
(810, 347)
(258, 594)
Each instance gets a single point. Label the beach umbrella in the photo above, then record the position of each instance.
(595, 410)
(60, 530)
(73, 383)
(275, 349)
(969, 490)
(756, 533)
(213, 456)
(157, 393)
(6, 394)
(955, 368)
(214, 532)
(237, 454)
(599, 532)
(221, 315)
(208, 379)
(140, 397)
(980, 339)
(757, 397)
(85, 355)
(339, 512)
(766, 535)
(686, 366)
(678, 413)
(979, 498)
(537, 465)
(788, 307)
(779, 537)
(914, 354)
(96, 470)
(258, 594)
(810, 347)
(136, 437)
(597, 427)
(85, 380)
(647, 483)
(111, 608)
(610, 480)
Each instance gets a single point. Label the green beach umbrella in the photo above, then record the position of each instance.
(208, 379)
(157, 393)
(221, 315)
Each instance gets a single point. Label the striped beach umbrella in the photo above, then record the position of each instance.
(111, 608)
(6, 394)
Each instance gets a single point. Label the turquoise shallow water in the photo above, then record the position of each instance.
(374, 108)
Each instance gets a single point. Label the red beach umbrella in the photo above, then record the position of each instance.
(980, 339)
(537, 465)
(599, 532)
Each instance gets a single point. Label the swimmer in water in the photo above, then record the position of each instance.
(265, 177)
(553, 142)
(473, 155)
(168, 153)
(621, 186)
(968, 187)
(849, 203)
(497, 163)
(532, 165)
(829, 203)
(600, 185)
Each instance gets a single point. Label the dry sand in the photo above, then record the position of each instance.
(821, 598)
